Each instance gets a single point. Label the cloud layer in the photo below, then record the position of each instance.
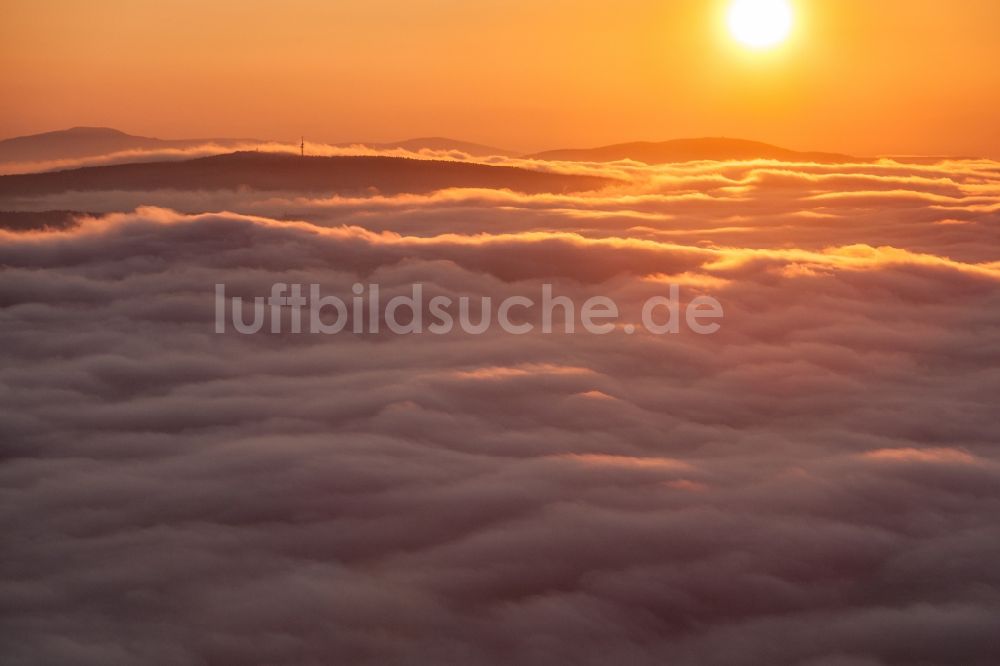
(817, 484)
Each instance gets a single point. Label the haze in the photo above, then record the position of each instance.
(235, 429)
(519, 74)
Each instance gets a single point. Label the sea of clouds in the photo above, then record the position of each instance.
(816, 484)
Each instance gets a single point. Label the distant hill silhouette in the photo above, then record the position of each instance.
(82, 142)
(79, 142)
(282, 171)
(441, 143)
(688, 150)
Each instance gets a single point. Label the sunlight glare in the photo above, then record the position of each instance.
(760, 23)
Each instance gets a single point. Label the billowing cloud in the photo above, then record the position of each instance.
(815, 484)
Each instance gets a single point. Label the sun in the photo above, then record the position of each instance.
(760, 23)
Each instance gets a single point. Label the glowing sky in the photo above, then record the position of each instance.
(894, 76)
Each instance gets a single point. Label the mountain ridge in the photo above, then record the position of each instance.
(356, 174)
(93, 141)
(84, 141)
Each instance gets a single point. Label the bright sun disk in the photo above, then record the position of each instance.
(760, 23)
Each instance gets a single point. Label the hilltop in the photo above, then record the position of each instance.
(283, 171)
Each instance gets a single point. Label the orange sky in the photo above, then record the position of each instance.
(861, 76)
